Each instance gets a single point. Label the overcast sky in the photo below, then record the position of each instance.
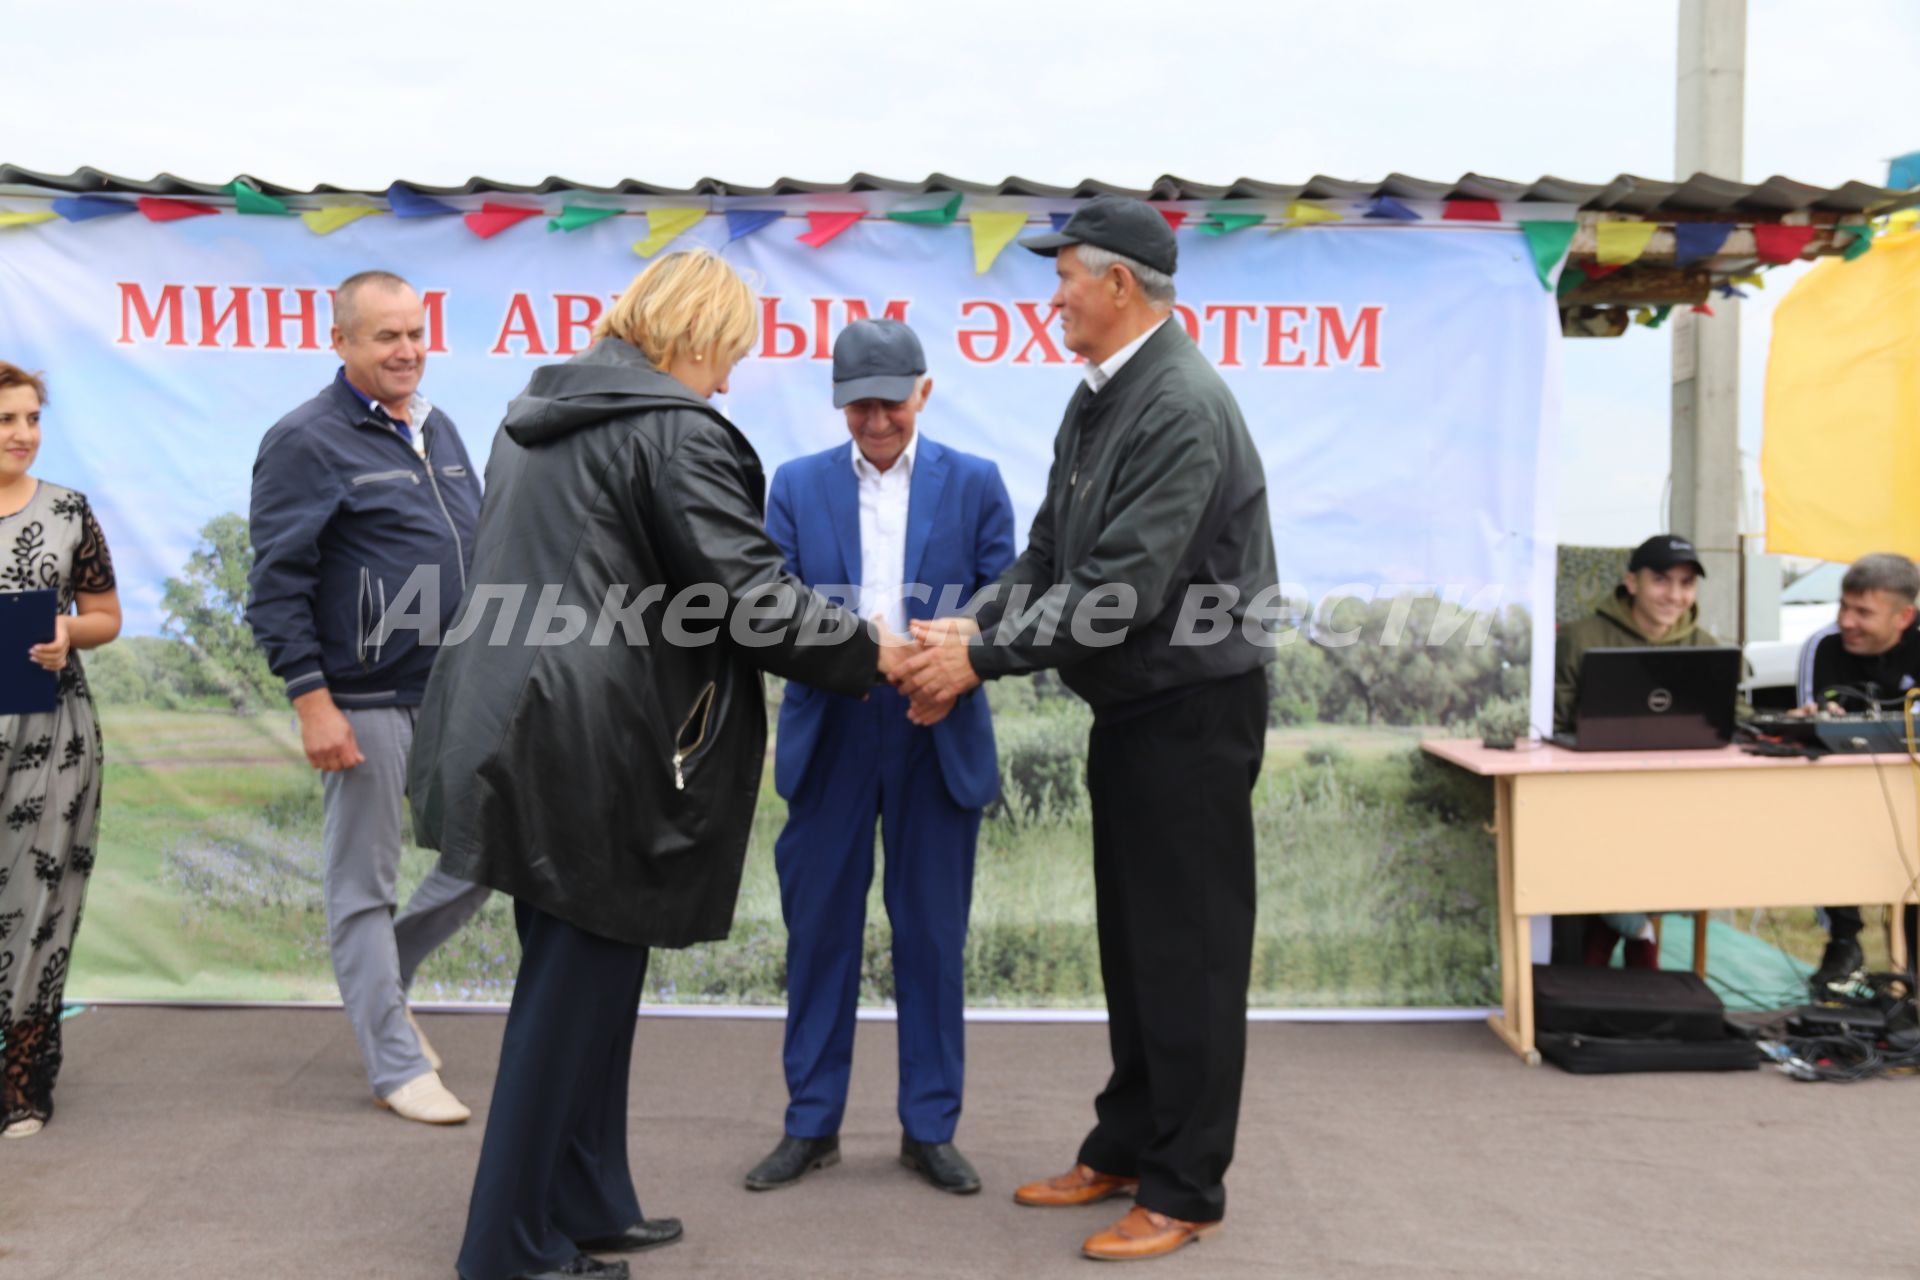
(359, 93)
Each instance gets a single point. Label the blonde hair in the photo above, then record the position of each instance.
(687, 302)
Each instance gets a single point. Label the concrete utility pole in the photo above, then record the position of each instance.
(1709, 138)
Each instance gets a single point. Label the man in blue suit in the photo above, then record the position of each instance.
(917, 528)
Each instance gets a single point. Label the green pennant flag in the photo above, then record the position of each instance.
(938, 216)
(575, 216)
(247, 200)
(1218, 224)
(1862, 241)
(1570, 279)
(1660, 315)
(1549, 242)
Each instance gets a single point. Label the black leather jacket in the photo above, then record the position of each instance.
(602, 777)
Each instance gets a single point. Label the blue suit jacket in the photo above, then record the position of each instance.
(959, 539)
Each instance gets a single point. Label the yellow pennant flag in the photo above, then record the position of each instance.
(25, 217)
(1622, 242)
(1902, 221)
(992, 232)
(324, 222)
(663, 225)
(1755, 279)
(1300, 213)
(1844, 361)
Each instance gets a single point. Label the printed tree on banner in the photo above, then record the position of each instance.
(206, 607)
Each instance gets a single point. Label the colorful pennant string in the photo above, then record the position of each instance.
(1701, 309)
(938, 216)
(575, 216)
(1220, 222)
(1388, 207)
(1471, 211)
(408, 203)
(1660, 315)
(1059, 220)
(744, 222)
(86, 208)
(1694, 241)
(1862, 241)
(1174, 217)
(1618, 243)
(666, 225)
(824, 225)
(25, 217)
(993, 231)
(163, 209)
(491, 219)
(324, 222)
(1548, 242)
(248, 200)
(1301, 213)
(1570, 279)
(1781, 244)
(1903, 221)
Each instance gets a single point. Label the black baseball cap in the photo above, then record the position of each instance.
(876, 360)
(1120, 224)
(1663, 551)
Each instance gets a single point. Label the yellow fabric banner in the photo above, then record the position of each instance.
(1618, 243)
(1840, 451)
(663, 225)
(324, 222)
(992, 232)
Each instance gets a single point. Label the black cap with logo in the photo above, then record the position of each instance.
(1120, 224)
(1663, 551)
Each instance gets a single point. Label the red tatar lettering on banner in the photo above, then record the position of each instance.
(237, 310)
(1189, 321)
(1230, 313)
(574, 315)
(1280, 331)
(435, 302)
(773, 329)
(1000, 335)
(136, 309)
(306, 313)
(1336, 337)
(1037, 336)
(822, 340)
(519, 323)
(896, 310)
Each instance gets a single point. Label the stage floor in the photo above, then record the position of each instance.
(242, 1143)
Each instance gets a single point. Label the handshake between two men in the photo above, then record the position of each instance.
(930, 665)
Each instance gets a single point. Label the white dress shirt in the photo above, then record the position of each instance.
(883, 535)
(1099, 375)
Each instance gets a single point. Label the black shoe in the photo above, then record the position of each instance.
(793, 1160)
(581, 1268)
(1839, 962)
(941, 1164)
(648, 1233)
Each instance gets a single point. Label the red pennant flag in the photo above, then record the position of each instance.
(1781, 244)
(1600, 270)
(495, 218)
(1471, 211)
(822, 227)
(160, 209)
(1701, 308)
(1174, 217)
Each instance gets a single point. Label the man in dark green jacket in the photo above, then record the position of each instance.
(1147, 580)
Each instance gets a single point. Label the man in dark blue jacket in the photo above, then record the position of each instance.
(364, 506)
(883, 512)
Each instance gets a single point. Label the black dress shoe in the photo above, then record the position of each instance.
(793, 1160)
(1837, 963)
(648, 1233)
(581, 1268)
(941, 1164)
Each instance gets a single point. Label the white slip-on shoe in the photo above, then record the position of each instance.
(426, 1100)
(426, 1045)
(25, 1128)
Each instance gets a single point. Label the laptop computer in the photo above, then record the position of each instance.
(1670, 698)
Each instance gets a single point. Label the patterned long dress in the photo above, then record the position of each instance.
(49, 804)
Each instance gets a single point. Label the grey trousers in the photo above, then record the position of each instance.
(375, 954)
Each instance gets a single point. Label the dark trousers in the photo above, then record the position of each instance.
(1173, 870)
(553, 1166)
(874, 764)
(1844, 925)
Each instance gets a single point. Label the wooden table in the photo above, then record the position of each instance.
(1581, 832)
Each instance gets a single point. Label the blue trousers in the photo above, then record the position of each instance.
(871, 764)
(553, 1165)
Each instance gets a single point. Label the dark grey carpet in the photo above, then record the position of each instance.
(242, 1143)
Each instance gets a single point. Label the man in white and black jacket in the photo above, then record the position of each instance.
(362, 522)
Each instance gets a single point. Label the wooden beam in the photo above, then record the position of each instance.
(1642, 286)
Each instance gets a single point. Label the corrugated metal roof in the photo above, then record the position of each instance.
(1700, 195)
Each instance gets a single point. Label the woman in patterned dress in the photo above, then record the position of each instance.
(49, 761)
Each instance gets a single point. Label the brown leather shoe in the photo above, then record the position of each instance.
(1143, 1234)
(1081, 1185)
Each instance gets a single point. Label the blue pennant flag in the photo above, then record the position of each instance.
(1059, 219)
(1693, 241)
(1388, 207)
(744, 222)
(81, 208)
(407, 203)
(1903, 172)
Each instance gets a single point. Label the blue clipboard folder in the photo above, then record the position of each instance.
(26, 619)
